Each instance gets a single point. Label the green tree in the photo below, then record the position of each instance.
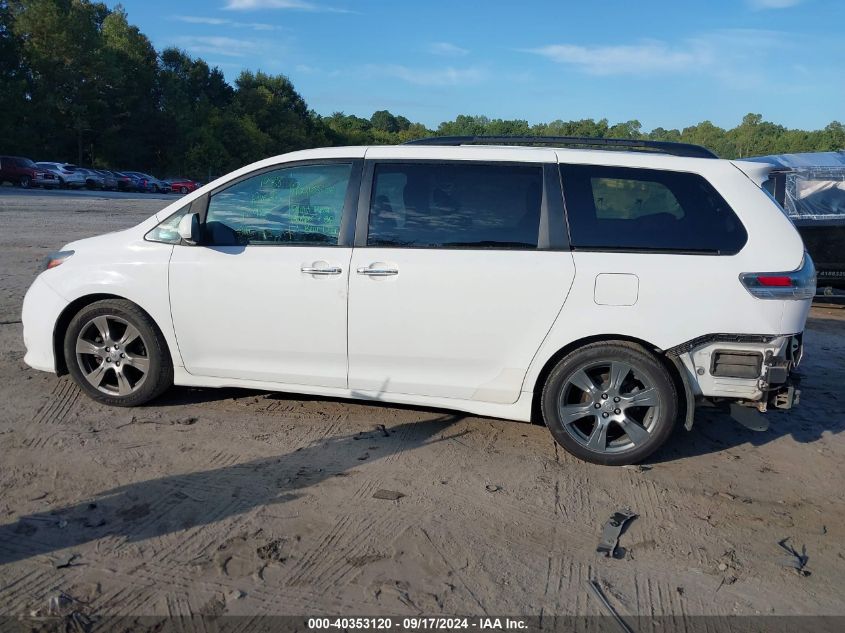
(14, 86)
(61, 44)
(130, 73)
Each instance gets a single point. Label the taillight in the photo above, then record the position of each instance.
(56, 259)
(798, 284)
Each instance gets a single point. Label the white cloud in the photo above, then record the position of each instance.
(645, 58)
(446, 49)
(447, 76)
(727, 54)
(226, 46)
(772, 4)
(296, 5)
(196, 19)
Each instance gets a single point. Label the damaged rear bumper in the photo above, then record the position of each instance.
(756, 370)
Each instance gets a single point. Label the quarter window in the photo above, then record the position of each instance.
(167, 231)
(293, 205)
(646, 209)
(455, 205)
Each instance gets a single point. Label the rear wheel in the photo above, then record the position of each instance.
(183, 190)
(116, 354)
(610, 403)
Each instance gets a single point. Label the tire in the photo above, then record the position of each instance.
(25, 182)
(147, 368)
(610, 403)
(183, 190)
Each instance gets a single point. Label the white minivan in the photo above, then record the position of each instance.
(604, 292)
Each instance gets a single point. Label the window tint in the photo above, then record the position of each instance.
(293, 205)
(455, 205)
(646, 209)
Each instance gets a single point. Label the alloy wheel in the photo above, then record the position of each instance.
(112, 355)
(609, 406)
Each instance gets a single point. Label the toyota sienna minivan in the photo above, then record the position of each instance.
(603, 286)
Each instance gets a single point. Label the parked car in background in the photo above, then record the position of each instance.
(131, 182)
(811, 189)
(125, 182)
(451, 274)
(93, 180)
(109, 179)
(149, 183)
(65, 173)
(24, 173)
(183, 185)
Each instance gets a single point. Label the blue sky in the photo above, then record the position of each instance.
(666, 63)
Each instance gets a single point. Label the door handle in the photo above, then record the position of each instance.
(331, 270)
(377, 272)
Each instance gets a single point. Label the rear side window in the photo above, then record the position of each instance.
(455, 205)
(612, 208)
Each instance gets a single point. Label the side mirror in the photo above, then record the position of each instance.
(189, 228)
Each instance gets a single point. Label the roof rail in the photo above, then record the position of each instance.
(663, 147)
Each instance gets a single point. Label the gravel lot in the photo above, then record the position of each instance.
(240, 502)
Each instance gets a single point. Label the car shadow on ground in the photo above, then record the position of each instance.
(156, 507)
(714, 430)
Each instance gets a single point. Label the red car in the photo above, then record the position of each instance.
(183, 185)
(23, 172)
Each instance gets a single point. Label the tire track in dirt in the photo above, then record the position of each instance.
(312, 556)
(334, 571)
(647, 502)
(506, 509)
(329, 557)
(265, 599)
(41, 440)
(14, 597)
(571, 501)
(574, 577)
(62, 399)
(131, 599)
(214, 526)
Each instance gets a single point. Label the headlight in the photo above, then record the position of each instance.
(56, 259)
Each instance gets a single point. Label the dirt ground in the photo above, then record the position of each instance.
(243, 502)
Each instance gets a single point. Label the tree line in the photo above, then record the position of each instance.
(79, 83)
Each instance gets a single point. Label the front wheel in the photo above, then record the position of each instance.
(116, 354)
(183, 190)
(610, 403)
(25, 182)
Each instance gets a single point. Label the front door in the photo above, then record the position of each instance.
(264, 296)
(451, 294)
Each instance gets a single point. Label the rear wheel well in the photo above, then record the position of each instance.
(64, 320)
(536, 414)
